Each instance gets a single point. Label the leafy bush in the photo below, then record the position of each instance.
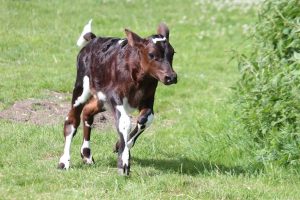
(268, 92)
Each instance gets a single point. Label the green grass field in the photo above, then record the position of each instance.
(193, 150)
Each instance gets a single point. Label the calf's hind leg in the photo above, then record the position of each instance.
(93, 107)
(70, 127)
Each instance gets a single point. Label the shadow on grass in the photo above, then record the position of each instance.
(190, 167)
(178, 165)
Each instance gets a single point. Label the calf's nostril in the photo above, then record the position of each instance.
(168, 79)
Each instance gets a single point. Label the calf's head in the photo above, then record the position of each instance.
(155, 54)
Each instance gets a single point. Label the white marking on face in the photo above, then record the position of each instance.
(86, 93)
(67, 118)
(101, 96)
(66, 156)
(124, 128)
(121, 41)
(154, 40)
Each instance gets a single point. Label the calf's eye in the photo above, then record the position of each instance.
(151, 56)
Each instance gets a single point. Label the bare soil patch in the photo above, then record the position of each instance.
(49, 111)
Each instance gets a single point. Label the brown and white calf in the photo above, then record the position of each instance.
(120, 75)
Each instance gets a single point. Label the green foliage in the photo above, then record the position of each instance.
(268, 92)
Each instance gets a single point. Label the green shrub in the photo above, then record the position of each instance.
(268, 92)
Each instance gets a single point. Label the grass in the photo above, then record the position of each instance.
(193, 149)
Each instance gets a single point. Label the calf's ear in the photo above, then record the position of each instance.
(163, 29)
(133, 39)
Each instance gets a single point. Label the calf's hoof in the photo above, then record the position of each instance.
(89, 160)
(124, 171)
(64, 163)
(86, 156)
(61, 166)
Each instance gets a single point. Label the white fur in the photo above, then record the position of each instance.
(81, 42)
(85, 144)
(65, 159)
(121, 41)
(125, 156)
(124, 128)
(154, 40)
(86, 93)
(124, 121)
(87, 124)
(101, 96)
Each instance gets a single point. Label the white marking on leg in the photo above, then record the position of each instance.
(147, 124)
(101, 96)
(86, 93)
(124, 128)
(86, 144)
(154, 40)
(87, 124)
(65, 159)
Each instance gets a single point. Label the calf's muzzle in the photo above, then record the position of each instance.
(170, 79)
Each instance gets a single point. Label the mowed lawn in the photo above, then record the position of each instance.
(193, 150)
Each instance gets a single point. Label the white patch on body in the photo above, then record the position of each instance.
(101, 96)
(86, 93)
(147, 124)
(124, 128)
(81, 42)
(154, 40)
(65, 159)
(86, 144)
(121, 41)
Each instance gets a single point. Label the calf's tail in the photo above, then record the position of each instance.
(86, 35)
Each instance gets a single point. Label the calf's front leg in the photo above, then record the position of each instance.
(123, 123)
(145, 119)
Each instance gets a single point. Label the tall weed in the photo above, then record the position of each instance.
(268, 92)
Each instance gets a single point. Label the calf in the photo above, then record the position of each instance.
(120, 75)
